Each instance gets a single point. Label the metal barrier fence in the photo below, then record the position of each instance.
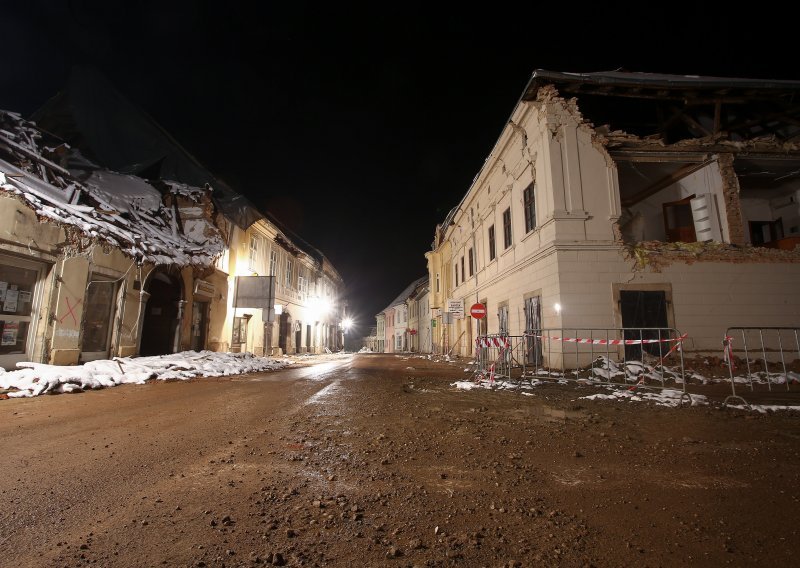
(775, 353)
(628, 357)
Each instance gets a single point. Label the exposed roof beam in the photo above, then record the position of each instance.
(693, 123)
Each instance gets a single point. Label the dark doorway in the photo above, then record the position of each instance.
(678, 221)
(284, 329)
(161, 315)
(308, 339)
(764, 232)
(644, 309)
(298, 337)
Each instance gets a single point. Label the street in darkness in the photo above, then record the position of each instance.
(378, 460)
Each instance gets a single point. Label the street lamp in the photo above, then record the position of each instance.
(346, 324)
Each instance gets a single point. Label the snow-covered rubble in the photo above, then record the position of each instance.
(121, 210)
(33, 379)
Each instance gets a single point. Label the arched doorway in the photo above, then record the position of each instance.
(162, 313)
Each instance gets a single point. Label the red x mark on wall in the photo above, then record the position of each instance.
(70, 311)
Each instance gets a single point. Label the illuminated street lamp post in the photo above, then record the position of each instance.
(347, 323)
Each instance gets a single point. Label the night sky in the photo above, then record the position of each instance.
(361, 128)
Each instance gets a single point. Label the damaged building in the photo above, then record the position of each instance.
(117, 242)
(630, 200)
(86, 251)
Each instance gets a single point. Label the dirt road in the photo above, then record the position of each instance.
(379, 461)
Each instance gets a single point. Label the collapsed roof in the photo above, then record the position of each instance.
(122, 210)
(676, 107)
(91, 115)
(759, 119)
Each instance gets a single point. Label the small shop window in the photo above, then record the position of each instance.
(17, 292)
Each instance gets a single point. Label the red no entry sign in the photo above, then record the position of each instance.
(478, 311)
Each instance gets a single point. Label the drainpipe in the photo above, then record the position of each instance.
(475, 266)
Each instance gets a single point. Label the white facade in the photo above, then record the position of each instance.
(400, 328)
(537, 240)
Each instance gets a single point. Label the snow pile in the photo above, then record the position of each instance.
(436, 358)
(606, 369)
(663, 397)
(365, 350)
(33, 379)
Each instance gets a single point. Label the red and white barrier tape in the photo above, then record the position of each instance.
(610, 341)
(502, 342)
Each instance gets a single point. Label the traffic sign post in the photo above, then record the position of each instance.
(478, 311)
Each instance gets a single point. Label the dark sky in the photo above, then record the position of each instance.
(360, 128)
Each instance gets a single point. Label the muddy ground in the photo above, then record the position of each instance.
(378, 461)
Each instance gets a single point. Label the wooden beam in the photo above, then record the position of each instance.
(664, 182)
(693, 123)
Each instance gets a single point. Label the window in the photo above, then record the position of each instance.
(462, 269)
(288, 276)
(529, 202)
(492, 252)
(437, 282)
(302, 281)
(533, 327)
(255, 245)
(507, 228)
(471, 262)
(273, 263)
(240, 330)
(503, 319)
(455, 267)
(97, 317)
(19, 291)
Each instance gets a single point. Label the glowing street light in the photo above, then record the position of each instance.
(347, 323)
(318, 307)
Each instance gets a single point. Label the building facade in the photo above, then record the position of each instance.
(97, 264)
(308, 306)
(591, 214)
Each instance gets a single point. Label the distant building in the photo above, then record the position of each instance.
(370, 341)
(397, 336)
